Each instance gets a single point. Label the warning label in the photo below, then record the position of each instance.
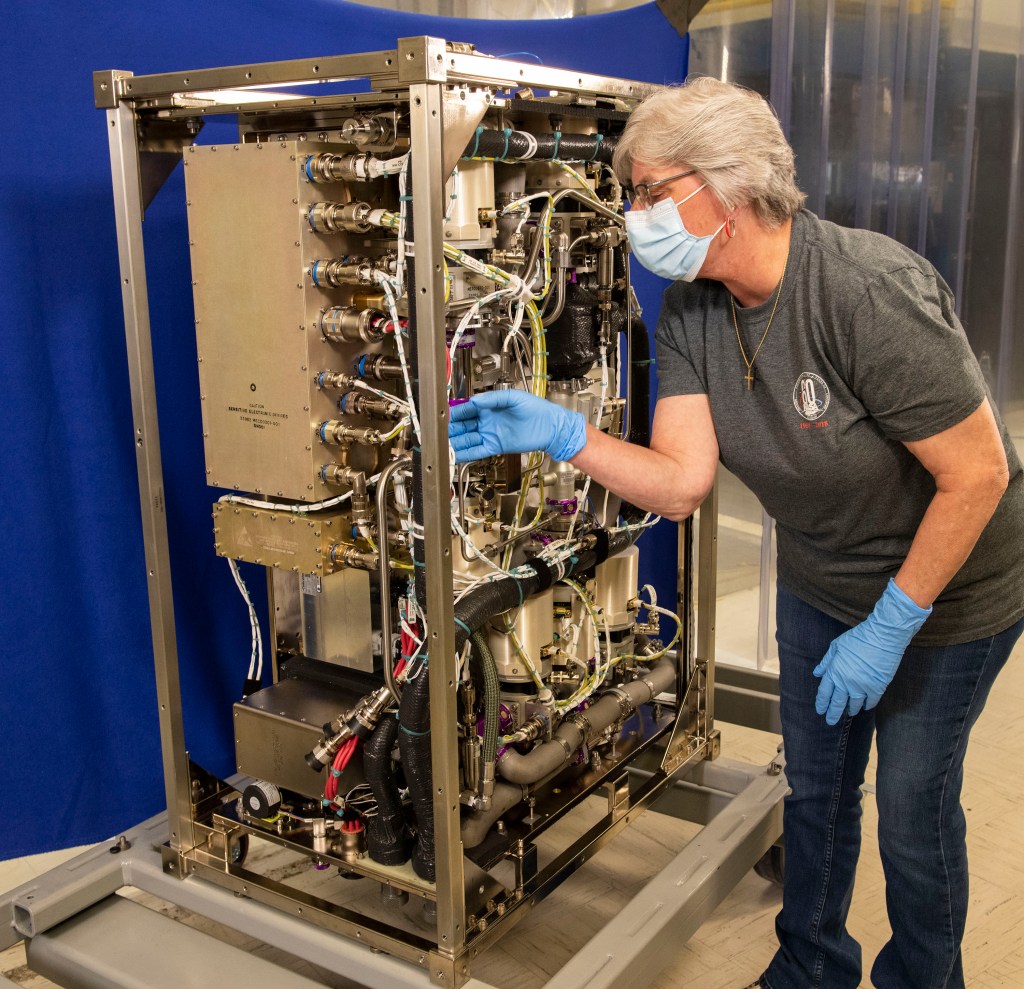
(257, 415)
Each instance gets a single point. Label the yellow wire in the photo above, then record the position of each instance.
(661, 652)
(394, 432)
(532, 464)
(579, 178)
(591, 682)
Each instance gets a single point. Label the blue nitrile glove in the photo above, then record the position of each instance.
(861, 663)
(513, 421)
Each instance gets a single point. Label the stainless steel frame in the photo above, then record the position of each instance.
(447, 88)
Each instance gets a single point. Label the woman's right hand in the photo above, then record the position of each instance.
(513, 421)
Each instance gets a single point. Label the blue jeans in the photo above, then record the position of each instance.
(923, 722)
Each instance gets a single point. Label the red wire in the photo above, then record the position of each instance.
(340, 762)
(348, 754)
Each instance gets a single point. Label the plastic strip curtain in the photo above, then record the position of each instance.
(906, 117)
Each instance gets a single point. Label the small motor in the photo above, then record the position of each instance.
(261, 799)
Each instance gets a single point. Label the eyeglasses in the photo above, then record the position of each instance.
(640, 195)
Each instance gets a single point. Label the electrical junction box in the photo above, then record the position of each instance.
(257, 312)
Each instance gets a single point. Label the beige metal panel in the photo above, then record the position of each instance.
(256, 313)
(336, 619)
(282, 540)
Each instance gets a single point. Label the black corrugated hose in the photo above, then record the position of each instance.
(414, 708)
(388, 838)
(512, 145)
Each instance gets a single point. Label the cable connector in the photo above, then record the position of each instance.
(358, 722)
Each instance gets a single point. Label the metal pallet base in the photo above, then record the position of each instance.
(79, 935)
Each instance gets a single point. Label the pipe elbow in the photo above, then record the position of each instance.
(542, 761)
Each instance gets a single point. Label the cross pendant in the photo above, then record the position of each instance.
(749, 379)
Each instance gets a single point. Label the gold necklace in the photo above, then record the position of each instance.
(749, 376)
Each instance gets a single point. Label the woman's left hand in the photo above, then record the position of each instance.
(861, 663)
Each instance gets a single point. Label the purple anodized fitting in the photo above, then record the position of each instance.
(566, 506)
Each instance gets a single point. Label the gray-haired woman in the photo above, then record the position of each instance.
(825, 368)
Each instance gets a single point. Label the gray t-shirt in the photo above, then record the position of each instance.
(865, 353)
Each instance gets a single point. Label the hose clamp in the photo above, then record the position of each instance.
(626, 706)
(649, 683)
(582, 723)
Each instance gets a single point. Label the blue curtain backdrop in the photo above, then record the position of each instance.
(81, 757)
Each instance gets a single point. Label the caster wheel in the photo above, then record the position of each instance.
(238, 850)
(772, 865)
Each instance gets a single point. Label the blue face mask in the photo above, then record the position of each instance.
(661, 242)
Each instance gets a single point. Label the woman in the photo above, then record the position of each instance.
(826, 368)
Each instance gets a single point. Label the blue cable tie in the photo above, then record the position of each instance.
(558, 139)
(598, 138)
(405, 199)
(335, 773)
(476, 142)
(508, 134)
(459, 621)
(415, 734)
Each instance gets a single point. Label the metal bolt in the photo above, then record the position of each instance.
(122, 845)
(774, 768)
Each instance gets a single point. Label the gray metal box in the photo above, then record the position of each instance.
(277, 726)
